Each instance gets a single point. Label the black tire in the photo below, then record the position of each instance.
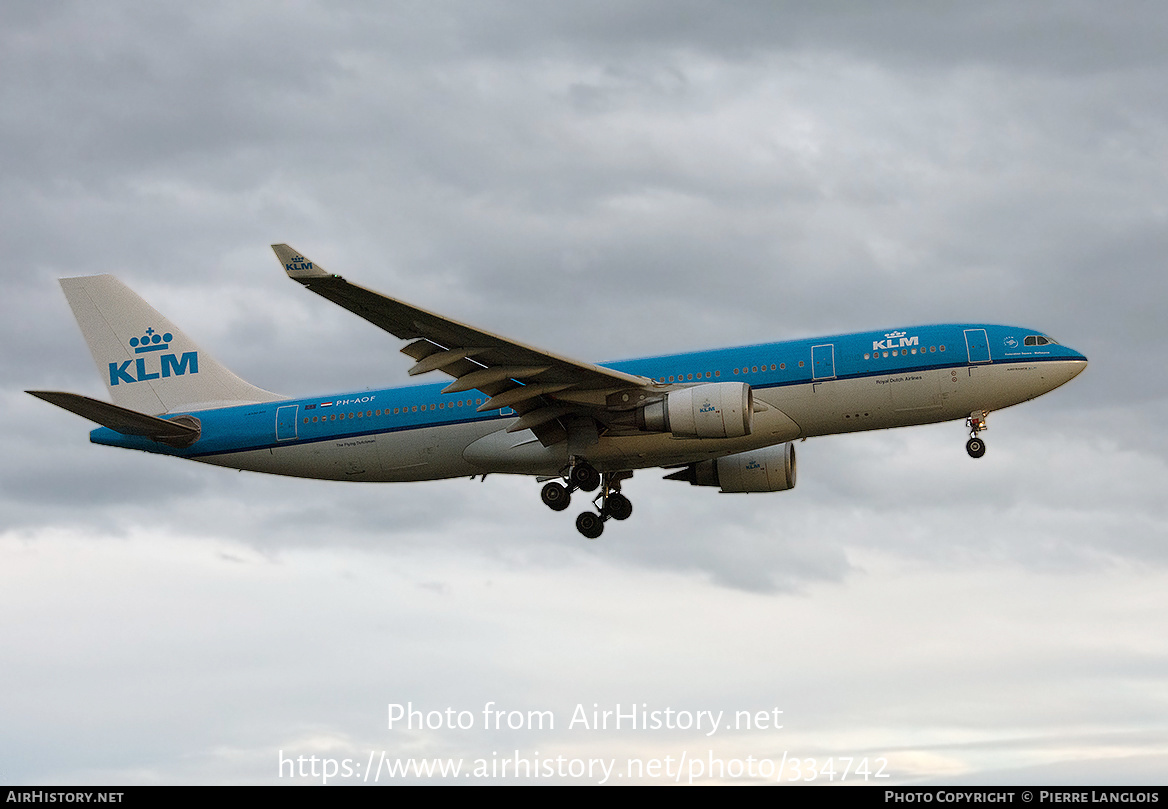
(619, 507)
(590, 525)
(555, 497)
(585, 477)
(975, 447)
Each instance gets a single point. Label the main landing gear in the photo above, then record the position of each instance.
(976, 423)
(581, 475)
(610, 503)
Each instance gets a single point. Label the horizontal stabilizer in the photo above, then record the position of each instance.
(180, 432)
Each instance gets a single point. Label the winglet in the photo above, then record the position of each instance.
(297, 266)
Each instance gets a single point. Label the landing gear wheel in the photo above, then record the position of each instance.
(556, 497)
(590, 525)
(618, 507)
(975, 447)
(584, 476)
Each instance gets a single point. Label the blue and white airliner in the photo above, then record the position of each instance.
(725, 418)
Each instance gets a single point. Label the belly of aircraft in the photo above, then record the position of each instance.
(400, 456)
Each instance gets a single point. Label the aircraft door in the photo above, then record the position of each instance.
(823, 361)
(286, 422)
(978, 345)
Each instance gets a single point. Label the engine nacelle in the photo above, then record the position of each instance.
(713, 410)
(760, 470)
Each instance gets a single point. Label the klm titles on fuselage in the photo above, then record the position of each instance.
(895, 339)
(168, 364)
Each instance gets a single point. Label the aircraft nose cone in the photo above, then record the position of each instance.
(1076, 365)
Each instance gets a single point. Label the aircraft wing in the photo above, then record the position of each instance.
(544, 388)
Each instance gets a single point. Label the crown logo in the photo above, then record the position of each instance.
(151, 341)
(892, 335)
(298, 257)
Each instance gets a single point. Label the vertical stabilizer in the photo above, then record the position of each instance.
(146, 362)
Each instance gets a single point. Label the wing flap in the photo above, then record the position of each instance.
(472, 380)
(520, 393)
(538, 417)
(439, 360)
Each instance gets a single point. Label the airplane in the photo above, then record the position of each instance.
(725, 418)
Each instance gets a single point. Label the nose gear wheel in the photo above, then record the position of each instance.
(976, 422)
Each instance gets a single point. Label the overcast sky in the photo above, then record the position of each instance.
(604, 180)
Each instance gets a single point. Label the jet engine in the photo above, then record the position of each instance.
(761, 470)
(713, 410)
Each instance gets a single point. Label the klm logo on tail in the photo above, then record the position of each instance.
(152, 344)
(298, 263)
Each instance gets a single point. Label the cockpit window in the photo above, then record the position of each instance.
(1038, 340)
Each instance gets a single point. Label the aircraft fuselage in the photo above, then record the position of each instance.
(801, 388)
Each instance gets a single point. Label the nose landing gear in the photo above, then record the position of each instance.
(976, 422)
